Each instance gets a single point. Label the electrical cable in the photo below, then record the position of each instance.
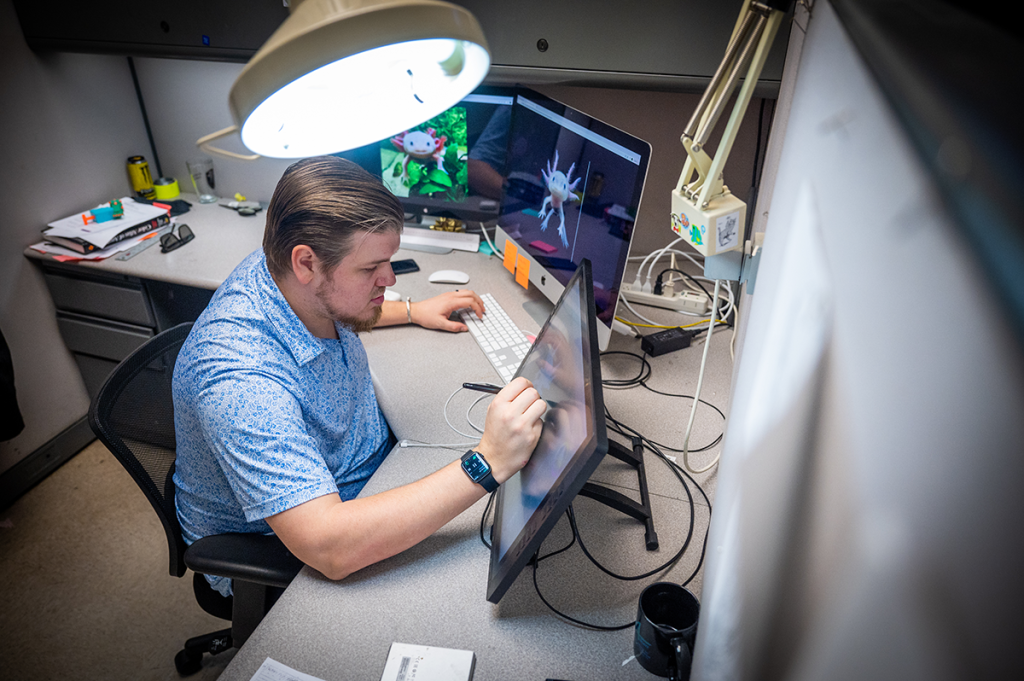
(478, 400)
(415, 444)
(483, 518)
(638, 325)
(642, 375)
(627, 431)
(700, 382)
(699, 285)
(445, 412)
(490, 243)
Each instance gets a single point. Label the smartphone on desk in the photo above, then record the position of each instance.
(404, 266)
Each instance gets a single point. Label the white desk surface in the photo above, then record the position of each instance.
(434, 593)
(222, 239)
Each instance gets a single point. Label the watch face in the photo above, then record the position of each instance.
(476, 467)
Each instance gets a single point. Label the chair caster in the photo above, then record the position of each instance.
(188, 663)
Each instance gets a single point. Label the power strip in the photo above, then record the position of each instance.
(687, 301)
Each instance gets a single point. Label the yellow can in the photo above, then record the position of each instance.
(142, 181)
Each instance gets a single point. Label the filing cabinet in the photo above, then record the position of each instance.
(103, 317)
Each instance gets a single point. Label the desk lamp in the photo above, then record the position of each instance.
(338, 74)
(704, 212)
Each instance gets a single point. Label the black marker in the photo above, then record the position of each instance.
(483, 387)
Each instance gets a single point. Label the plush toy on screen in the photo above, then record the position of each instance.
(561, 187)
(430, 159)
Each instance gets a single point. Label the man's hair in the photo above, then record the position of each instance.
(322, 202)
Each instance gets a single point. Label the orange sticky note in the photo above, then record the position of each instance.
(523, 271)
(511, 253)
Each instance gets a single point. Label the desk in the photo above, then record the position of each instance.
(434, 593)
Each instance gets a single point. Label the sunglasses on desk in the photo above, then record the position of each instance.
(171, 241)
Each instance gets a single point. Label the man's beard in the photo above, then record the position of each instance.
(353, 324)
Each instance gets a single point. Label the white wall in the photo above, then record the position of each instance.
(67, 125)
(867, 516)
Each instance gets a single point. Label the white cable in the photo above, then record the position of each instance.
(445, 412)
(658, 255)
(408, 443)
(469, 420)
(490, 243)
(696, 396)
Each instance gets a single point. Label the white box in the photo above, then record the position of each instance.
(716, 229)
(409, 662)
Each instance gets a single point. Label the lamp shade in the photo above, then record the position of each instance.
(338, 74)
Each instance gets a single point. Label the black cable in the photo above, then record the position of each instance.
(642, 375)
(483, 519)
(657, 282)
(633, 433)
(561, 614)
(145, 119)
(675, 467)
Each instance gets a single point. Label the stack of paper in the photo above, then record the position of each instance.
(81, 237)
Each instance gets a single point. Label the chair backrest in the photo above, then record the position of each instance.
(133, 415)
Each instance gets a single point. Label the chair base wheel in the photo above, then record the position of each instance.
(188, 663)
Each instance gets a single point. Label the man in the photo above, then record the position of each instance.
(277, 424)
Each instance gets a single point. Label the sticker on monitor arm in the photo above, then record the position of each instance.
(727, 228)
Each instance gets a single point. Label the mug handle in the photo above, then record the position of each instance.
(684, 659)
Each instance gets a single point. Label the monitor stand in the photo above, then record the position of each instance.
(620, 502)
(539, 310)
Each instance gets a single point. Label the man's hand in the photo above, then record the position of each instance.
(432, 313)
(512, 428)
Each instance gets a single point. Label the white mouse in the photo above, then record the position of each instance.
(449, 277)
(391, 294)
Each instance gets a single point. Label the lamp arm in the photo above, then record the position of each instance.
(750, 43)
(715, 173)
(204, 144)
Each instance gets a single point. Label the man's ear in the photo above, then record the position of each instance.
(304, 264)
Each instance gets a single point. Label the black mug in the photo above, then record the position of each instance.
(666, 627)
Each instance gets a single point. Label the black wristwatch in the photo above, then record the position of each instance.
(479, 470)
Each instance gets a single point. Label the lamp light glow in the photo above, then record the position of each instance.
(338, 74)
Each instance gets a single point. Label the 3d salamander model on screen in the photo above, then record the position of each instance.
(422, 146)
(561, 187)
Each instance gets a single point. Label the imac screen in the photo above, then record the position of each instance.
(564, 366)
(572, 190)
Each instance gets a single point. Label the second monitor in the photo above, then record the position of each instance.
(572, 189)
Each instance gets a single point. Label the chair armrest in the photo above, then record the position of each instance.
(257, 558)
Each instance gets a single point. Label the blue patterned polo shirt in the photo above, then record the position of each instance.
(267, 416)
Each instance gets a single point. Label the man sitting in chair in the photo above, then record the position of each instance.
(276, 419)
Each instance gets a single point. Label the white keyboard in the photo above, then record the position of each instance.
(500, 339)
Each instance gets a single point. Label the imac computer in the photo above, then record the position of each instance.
(572, 190)
(565, 369)
(450, 165)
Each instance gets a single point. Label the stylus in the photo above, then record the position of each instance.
(483, 387)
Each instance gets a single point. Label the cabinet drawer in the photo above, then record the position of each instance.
(100, 338)
(125, 303)
(94, 372)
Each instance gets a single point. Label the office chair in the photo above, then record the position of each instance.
(133, 415)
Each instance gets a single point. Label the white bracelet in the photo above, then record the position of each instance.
(408, 308)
